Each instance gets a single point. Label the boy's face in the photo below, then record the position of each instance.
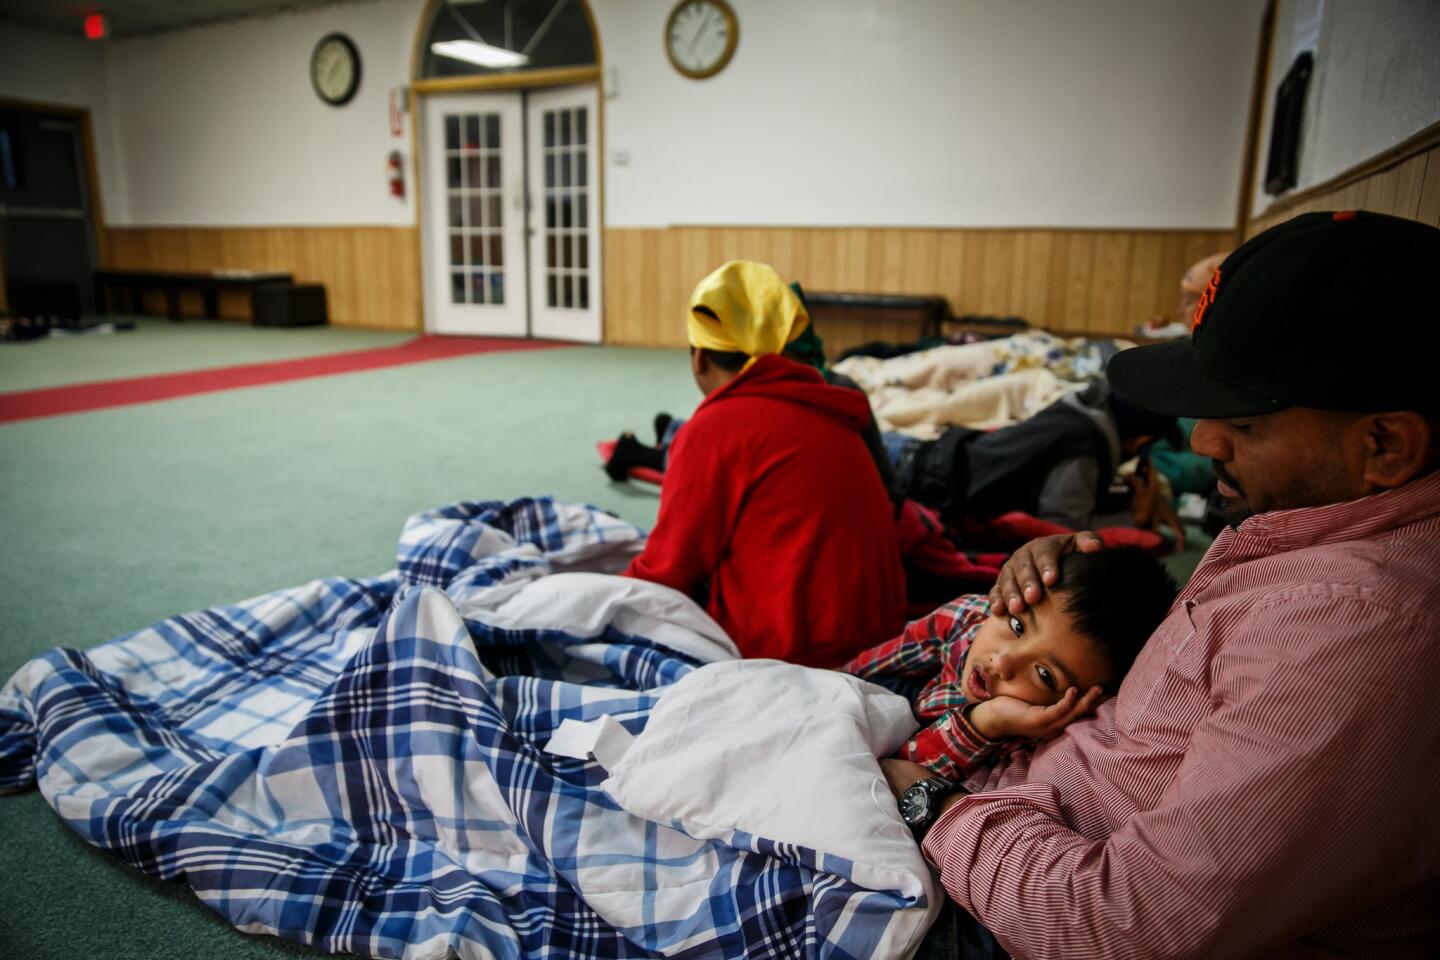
(1034, 657)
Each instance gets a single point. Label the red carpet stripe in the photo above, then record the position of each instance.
(79, 397)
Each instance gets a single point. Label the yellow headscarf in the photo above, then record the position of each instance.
(744, 307)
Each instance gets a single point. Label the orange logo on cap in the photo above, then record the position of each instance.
(1206, 298)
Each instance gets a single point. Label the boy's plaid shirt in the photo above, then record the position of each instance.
(924, 664)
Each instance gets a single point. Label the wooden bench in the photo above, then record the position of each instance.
(926, 313)
(846, 320)
(131, 286)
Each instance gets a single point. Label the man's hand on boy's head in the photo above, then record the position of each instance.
(1012, 717)
(1034, 567)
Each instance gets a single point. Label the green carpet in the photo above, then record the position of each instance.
(117, 518)
(161, 346)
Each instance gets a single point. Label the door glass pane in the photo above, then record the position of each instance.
(563, 170)
(474, 207)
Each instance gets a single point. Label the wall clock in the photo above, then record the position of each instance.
(700, 37)
(335, 69)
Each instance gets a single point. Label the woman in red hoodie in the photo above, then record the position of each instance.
(773, 514)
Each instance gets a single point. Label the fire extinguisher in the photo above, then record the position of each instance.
(395, 172)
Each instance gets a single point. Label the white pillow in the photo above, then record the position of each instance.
(779, 751)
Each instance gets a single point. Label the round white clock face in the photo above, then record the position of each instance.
(700, 36)
(335, 69)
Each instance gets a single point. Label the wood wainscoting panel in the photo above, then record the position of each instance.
(371, 275)
(1428, 205)
(1404, 185)
(1068, 281)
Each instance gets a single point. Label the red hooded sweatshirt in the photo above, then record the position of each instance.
(771, 501)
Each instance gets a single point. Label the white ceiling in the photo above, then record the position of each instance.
(133, 18)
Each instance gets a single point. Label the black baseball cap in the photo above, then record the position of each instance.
(1337, 311)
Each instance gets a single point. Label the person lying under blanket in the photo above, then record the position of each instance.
(1055, 466)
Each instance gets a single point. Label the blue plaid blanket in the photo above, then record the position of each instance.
(358, 764)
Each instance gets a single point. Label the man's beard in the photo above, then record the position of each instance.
(1237, 510)
(1322, 484)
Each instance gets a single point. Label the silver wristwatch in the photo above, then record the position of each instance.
(920, 803)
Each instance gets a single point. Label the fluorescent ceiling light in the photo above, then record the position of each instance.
(483, 54)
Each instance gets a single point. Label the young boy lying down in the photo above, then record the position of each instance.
(987, 685)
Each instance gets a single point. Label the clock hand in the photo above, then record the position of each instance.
(699, 30)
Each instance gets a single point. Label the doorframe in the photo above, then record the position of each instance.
(98, 229)
(562, 76)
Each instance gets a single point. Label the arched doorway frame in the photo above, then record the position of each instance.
(533, 79)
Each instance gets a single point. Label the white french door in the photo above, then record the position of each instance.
(565, 214)
(475, 215)
(511, 243)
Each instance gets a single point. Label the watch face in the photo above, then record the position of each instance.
(335, 69)
(915, 804)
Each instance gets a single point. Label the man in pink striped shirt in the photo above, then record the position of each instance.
(1266, 782)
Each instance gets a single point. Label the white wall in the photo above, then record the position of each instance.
(855, 112)
(936, 112)
(66, 71)
(1376, 81)
(219, 125)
